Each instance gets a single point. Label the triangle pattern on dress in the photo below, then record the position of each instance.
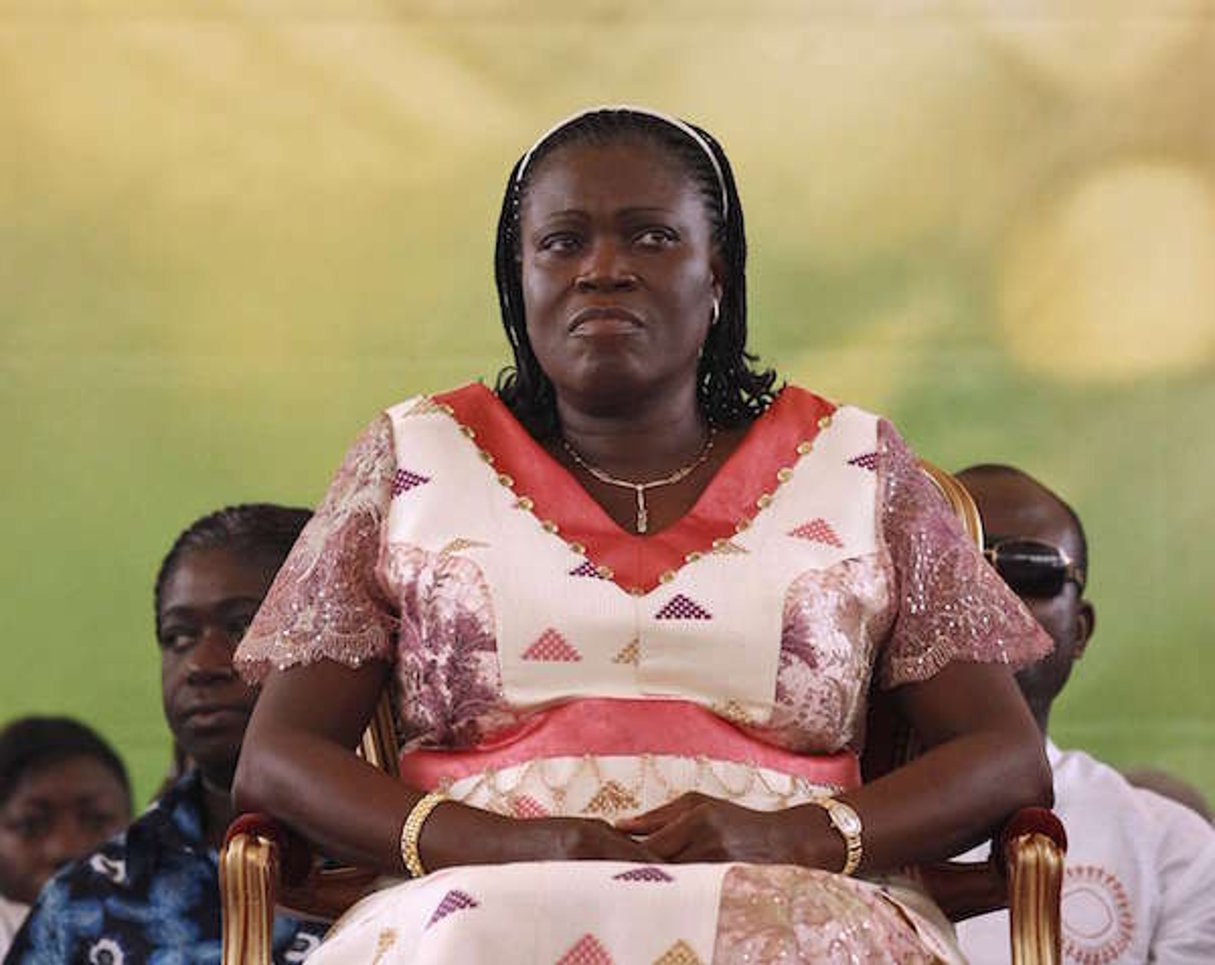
(681, 607)
(384, 942)
(650, 873)
(552, 647)
(526, 806)
(734, 711)
(681, 953)
(403, 480)
(611, 798)
(727, 547)
(586, 568)
(629, 654)
(455, 900)
(587, 950)
(866, 460)
(818, 531)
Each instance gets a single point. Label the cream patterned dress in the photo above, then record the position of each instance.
(545, 662)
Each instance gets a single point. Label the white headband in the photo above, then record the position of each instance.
(645, 112)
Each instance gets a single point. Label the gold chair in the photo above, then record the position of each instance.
(264, 865)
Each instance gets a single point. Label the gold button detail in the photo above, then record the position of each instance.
(549, 526)
(486, 456)
(524, 502)
(506, 480)
(784, 475)
(691, 557)
(741, 525)
(605, 573)
(666, 577)
(578, 548)
(803, 448)
(468, 431)
(764, 501)
(824, 422)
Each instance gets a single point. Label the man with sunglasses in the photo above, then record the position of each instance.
(1140, 878)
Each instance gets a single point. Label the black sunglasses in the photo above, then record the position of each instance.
(1033, 568)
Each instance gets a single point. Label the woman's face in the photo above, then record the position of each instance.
(207, 603)
(619, 274)
(56, 814)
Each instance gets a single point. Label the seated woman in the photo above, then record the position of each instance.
(63, 791)
(152, 894)
(630, 605)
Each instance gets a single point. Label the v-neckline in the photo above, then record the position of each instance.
(741, 487)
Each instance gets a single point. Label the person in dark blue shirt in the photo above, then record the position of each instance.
(151, 895)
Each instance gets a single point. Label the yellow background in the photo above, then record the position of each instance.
(229, 233)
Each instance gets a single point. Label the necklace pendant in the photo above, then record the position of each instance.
(643, 517)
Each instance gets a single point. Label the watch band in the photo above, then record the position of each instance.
(847, 822)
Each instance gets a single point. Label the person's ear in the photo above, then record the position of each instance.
(1086, 622)
(717, 269)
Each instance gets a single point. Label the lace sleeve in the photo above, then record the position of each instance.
(327, 601)
(951, 604)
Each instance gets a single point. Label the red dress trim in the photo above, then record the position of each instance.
(625, 727)
(741, 488)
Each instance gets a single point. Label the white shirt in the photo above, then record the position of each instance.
(1139, 884)
(12, 914)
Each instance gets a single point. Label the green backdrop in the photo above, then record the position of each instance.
(230, 233)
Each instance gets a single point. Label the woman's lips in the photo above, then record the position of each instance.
(604, 320)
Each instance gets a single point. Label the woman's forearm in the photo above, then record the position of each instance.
(984, 759)
(296, 766)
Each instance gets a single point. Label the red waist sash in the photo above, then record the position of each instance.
(610, 727)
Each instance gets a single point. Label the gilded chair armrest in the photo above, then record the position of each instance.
(1033, 845)
(258, 856)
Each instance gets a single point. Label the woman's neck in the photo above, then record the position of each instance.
(639, 446)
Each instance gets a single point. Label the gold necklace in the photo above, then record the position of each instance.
(643, 516)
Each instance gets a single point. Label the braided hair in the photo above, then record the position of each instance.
(730, 391)
(262, 528)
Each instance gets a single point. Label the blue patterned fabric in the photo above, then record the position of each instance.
(150, 895)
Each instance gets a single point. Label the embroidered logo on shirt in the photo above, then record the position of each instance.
(1098, 922)
(551, 646)
(681, 607)
(818, 531)
(403, 480)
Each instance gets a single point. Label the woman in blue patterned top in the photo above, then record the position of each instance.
(152, 894)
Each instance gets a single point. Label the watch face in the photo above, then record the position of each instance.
(846, 819)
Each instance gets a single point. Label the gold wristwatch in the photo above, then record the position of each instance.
(847, 822)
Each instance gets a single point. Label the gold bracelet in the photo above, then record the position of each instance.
(847, 822)
(411, 830)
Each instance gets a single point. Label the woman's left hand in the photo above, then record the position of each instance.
(696, 827)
